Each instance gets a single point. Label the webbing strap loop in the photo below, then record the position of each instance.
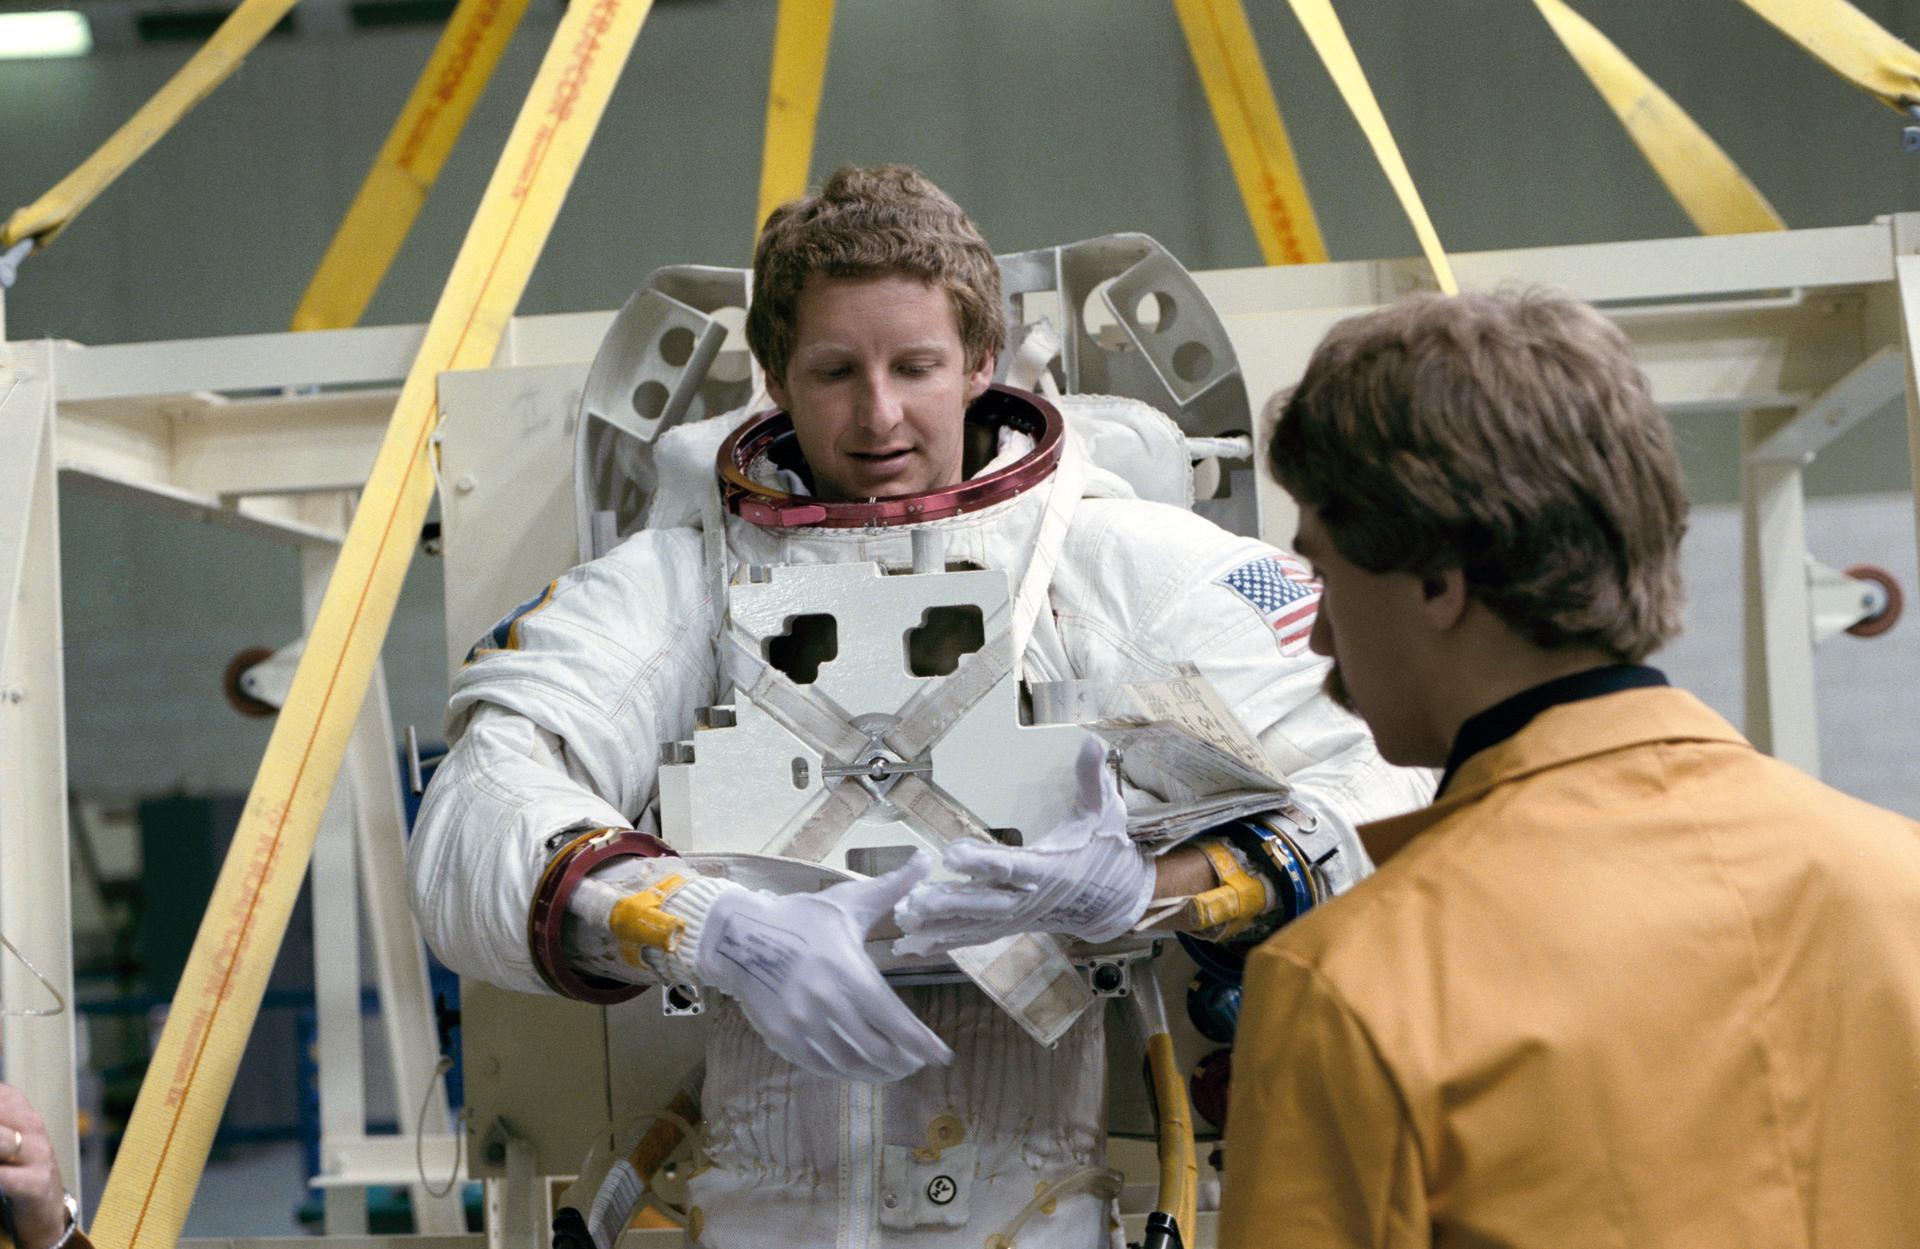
(383, 211)
(1851, 44)
(1329, 39)
(245, 27)
(1240, 92)
(1711, 190)
(801, 35)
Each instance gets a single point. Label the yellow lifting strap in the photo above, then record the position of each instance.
(1710, 187)
(383, 211)
(1852, 44)
(1329, 39)
(165, 1149)
(1240, 93)
(244, 28)
(801, 35)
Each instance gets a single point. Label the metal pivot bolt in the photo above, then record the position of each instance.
(879, 770)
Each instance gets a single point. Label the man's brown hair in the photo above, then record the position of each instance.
(1509, 435)
(862, 223)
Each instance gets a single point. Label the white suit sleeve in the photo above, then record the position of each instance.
(501, 804)
(557, 719)
(1203, 596)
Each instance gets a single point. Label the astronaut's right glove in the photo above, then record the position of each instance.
(798, 966)
(1086, 878)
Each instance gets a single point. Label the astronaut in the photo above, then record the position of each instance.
(537, 862)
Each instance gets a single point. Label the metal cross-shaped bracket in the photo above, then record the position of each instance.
(788, 771)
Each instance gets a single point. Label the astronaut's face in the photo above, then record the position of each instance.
(878, 385)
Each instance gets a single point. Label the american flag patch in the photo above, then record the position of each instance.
(1284, 593)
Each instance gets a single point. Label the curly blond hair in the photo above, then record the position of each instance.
(867, 221)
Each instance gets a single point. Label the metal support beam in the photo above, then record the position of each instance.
(336, 979)
(375, 1160)
(363, 356)
(361, 855)
(517, 1214)
(336, 951)
(36, 1054)
(273, 519)
(1869, 386)
(1704, 269)
(278, 446)
(372, 769)
(26, 427)
(1781, 713)
(1907, 279)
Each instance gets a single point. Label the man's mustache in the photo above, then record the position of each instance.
(1336, 687)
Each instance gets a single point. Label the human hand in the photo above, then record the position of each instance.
(1085, 878)
(798, 966)
(29, 1176)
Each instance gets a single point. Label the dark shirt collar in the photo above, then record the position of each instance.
(1502, 720)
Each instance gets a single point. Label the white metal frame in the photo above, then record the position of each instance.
(178, 451)
(1798, 334)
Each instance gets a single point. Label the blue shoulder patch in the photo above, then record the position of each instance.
(505, 636)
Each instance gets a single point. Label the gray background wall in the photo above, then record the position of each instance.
(1050, 121)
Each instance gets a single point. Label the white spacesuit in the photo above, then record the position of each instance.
(560, 716)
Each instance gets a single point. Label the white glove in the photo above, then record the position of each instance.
(1085, 878)
(798, 966)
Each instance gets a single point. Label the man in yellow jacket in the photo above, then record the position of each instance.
(1627, 982)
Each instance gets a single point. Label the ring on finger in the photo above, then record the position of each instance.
(13, 1154)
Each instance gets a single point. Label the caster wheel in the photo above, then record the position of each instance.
(1886, 617)
(237, 697)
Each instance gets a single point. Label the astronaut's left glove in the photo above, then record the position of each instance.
(798, 966)
(1086, 878)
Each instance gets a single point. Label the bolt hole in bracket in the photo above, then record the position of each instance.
(663, 362)
(1134, 322)
(1109, 979)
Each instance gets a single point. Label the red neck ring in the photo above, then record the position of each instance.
(774, 509)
